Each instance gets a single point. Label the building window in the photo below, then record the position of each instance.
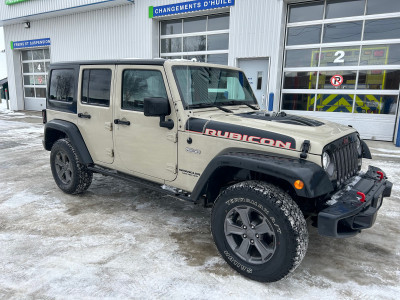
(204, 38)
(337, 64)
(35, 66)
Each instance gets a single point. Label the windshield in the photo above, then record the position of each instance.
(206, 86)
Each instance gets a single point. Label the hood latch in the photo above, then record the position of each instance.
(305, 148)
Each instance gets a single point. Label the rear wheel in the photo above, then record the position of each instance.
(70, 175)
(259, 230)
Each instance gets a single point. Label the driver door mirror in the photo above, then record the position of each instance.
(158, 107)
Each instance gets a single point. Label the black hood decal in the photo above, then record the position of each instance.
(281, 118)
(240, 133)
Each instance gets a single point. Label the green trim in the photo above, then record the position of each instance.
(10, 2)
(151, 12)
(12, 45)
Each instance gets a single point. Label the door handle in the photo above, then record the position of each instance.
(84, 116)
(120, 122)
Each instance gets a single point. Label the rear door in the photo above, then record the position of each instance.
(95, 111)
(141, 145)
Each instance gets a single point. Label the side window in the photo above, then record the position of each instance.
(140, 84)
(96, 86)
(62, 85)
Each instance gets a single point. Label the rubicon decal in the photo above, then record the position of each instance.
(240, 133)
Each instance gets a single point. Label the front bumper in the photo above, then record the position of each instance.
(347, 215)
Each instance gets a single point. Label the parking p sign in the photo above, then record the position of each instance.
(336, 80)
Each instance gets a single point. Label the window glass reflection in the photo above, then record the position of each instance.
(300, 80)
(380, 55)
(342, 32)
(194, 43)
(194, 24)
(221, 59)
(382, 29)
(304, 35)
(218, 22)
(344, 8)
(325, 80)
(298, 102)
(306, 12)
(376, 104)
(171, 45)
(382, 6)
(379, 79)
(340, 56)
(218, 41)
(171, 27)
(335, 102)
(302, 58)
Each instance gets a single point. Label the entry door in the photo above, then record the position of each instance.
(256, 71)
(95, 111)
(141, 145)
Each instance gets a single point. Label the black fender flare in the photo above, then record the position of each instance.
(366, 153)
(289, 169)
(74, 135)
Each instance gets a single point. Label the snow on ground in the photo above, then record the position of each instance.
(119, 240)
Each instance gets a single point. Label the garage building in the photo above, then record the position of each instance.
(337, 60)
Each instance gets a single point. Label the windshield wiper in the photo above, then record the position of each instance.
(251, 106)
(240, 103)
(198, 105)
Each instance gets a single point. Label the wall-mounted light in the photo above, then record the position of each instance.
(27, 25)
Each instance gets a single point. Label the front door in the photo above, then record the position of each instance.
(95, 111)
(141, 145)
(256, 71)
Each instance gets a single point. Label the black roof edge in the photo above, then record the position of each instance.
(154, 62)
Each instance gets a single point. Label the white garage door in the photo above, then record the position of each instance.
(35, 64)
(342, 63)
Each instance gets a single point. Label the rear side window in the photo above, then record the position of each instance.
(140, 84)
(62, 85)
(96, 87)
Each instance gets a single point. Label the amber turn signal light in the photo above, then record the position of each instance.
(298, 184)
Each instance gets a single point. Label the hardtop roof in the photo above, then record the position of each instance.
(156, 62)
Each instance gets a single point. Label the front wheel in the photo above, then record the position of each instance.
(259, 230)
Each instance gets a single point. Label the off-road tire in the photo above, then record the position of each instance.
(73, 177)
(286, 239)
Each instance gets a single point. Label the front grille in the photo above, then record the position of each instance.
(345, 156)
(346, 161)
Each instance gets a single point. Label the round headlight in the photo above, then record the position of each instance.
(326, 160)
(359, 147)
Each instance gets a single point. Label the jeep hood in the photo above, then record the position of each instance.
(270, 129)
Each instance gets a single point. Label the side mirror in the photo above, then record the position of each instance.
(158, 107)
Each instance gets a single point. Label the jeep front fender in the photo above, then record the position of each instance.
(289, 169)
(72, 132)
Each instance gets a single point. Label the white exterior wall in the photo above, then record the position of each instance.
(125, 31)
(256, 30)
(111, 33)
(39, 9)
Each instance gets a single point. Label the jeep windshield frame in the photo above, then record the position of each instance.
(201, 87)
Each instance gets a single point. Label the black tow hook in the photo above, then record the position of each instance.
(305, 149)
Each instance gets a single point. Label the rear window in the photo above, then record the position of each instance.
(62, 85)
(96, 87)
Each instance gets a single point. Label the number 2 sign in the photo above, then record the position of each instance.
(339, 57)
